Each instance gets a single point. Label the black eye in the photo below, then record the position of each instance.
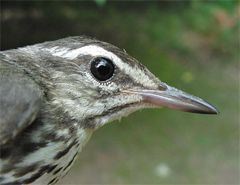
(102, 68)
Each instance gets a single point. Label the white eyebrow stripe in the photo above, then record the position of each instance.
(57, 51)
(138, 75)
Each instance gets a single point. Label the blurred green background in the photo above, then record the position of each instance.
(192, 45)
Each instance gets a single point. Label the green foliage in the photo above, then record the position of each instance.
(100, 2)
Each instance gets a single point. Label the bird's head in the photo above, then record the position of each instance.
(97, 82)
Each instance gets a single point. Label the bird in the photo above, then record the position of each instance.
(54, 95)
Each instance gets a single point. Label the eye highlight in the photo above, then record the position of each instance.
(102, 68)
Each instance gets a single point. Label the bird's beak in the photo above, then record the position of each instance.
(167, 96)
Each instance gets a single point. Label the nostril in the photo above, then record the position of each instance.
(162, 87)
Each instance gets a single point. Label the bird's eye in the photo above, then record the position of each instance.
(102, 68)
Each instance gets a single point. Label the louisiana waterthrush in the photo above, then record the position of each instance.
(54, 95)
